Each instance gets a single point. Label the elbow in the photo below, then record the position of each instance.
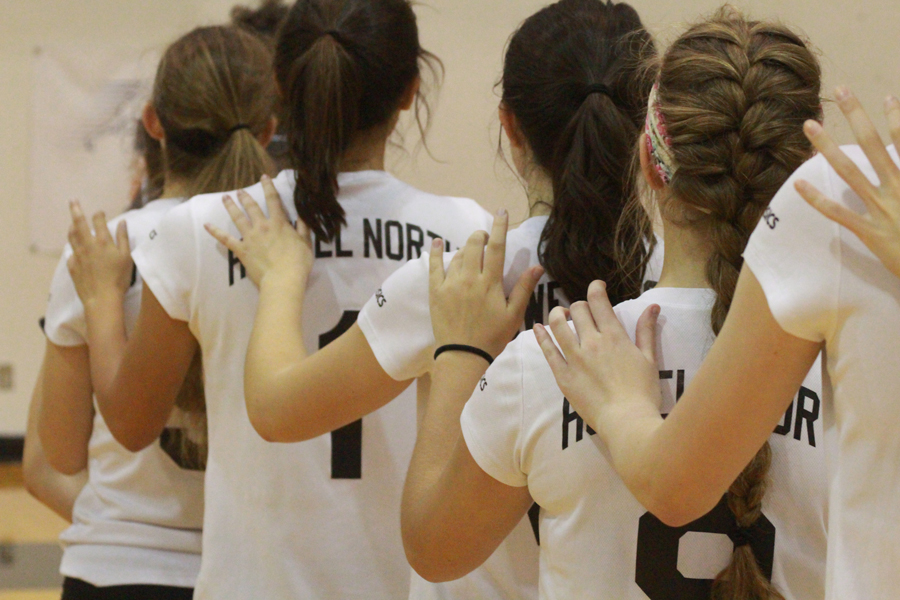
(131, 439)
(677, 506)
(275, 425)
(429, 562)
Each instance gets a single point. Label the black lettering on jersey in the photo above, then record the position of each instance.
(770, 218)
(570, 415)
(534, 515)
(380, 299)
(338, 250)
(320, 253)
(543, 300)
(415, 239)
(806, 410)
(482, 384)
(232, 263)
(153, 234)
(679, 381)
(374, 237)
(389, 238)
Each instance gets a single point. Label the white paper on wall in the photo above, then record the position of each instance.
(86, 103)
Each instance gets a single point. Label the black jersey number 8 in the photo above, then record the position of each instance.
(656, 570)
(346, 442)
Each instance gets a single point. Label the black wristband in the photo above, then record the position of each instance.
(464, 348)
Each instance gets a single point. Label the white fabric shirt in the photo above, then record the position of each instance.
(315, 519)
(138, 519)
(597, 541)
(397, 325)
(822, 284)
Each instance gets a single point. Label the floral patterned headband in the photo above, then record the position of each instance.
(658, 141)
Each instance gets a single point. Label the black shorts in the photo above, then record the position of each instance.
(76, 589)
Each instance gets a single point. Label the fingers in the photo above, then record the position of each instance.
(237, 215)
(101, 231)
(223, 238)
(473, 253)
(844, 167)
(832, 210)
(601, 308)
(892, 111)
(273, 200)
(495, 254)
(122, 237)
(436, 264)
(554, 357)
(521, 293)
(645, 333)
(254, 212)
(565, 337)
(80, 231)
(867, 136)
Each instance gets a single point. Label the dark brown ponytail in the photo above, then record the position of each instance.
(573, 78)
(735, 94)
(344, 68)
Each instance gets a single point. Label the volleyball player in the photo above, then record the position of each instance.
(722, 136)
(137, 522)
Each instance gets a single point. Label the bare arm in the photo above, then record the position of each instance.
(290, 396)
(454, 515)
(46, 484)
(679, 468)
(136, 380)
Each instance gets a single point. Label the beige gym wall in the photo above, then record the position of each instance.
(858, 41)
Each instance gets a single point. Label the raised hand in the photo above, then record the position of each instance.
(468, 303)
(268, 246)
(879, 228)
(600, 368)
(100, 266)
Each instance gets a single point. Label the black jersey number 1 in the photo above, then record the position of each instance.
(346, 442)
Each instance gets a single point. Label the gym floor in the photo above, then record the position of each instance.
(29, 552)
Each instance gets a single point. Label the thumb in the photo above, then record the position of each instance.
(645, 333)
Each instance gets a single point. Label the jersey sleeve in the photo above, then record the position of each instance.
(492, 420)
(64, 323)
(795, 254)
(397, 322)
(167, 261)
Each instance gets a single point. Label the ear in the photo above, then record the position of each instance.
(650, 174)
(511, 127)
(151, 123)
(265, 138)
(410, 95)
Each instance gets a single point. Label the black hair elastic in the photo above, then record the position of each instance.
(742, 536)
(464, 348)
(238, 128)
(596, 88)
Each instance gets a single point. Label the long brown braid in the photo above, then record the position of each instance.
(735, 94)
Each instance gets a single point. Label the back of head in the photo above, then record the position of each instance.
(344, 67)
(574, 80)
(214, 95)
(262, 21)
(733, 95)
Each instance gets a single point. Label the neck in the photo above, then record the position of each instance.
(174, 188)
(687, 251)
(539, 189)
(366, 152)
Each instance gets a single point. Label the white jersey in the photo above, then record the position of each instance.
(597, 541)
(138, 519)
(823, 284)
(321, 518)
(397, 325)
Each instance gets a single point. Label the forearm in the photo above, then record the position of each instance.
(105, 317)
(276, 349)
(62, 412)
(428, 510)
